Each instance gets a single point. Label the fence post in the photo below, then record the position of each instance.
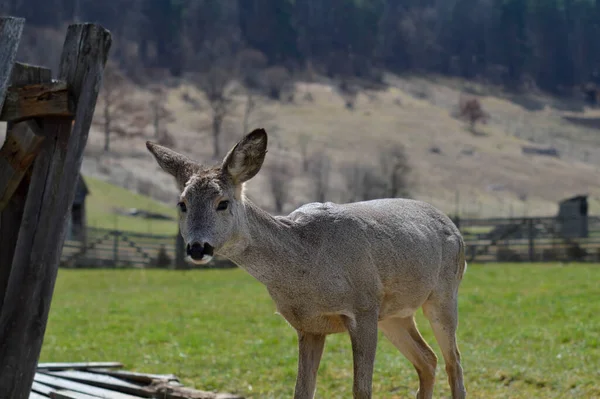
(24, 315)
(23, 145)
(180, 252)
(10, 35)
(530, 232)
(116, 237)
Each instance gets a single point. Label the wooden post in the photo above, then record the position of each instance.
(19, 150)
(116, 237)
(180, 252)
(24, 315)
(10, 35)
(530, 233)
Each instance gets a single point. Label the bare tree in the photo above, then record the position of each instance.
(161, 115)
(250, 107)
(354, 175)
(303, 141)
(216, 85)
(388, 179)
(279, 179)
(320, 170)
(395, 169)
(119, 115)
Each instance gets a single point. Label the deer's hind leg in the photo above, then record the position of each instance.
(405, 336)
(442, 312)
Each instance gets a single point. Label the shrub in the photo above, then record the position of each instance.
(276, 79)
(250, 63)
(162, 258)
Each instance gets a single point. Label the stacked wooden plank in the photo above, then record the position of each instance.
(108, 380)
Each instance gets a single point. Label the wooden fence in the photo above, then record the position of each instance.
(531, 240)
(487, 240)
(47, 129)
(121, 249)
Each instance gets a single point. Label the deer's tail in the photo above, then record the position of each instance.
(461, 261)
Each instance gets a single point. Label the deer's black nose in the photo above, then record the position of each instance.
(197, 251)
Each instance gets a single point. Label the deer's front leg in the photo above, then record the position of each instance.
(363, 335)
(310, 350)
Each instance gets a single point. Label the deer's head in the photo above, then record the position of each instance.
(211, 200)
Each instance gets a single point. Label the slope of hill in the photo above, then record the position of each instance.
(113, 207)
(484, 174)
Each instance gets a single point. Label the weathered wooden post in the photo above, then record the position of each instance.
(32, 272)
(10, 35)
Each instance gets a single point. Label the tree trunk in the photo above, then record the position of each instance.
(216, 128)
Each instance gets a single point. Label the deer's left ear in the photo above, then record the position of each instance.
(177, 165)
(245, 159)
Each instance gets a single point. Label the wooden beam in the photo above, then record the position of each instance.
(21, 145)
(142, 378)
(10, 35)
(78, 366)
(66, 394)
(51, 191)
(37, 101)
(61, 383)
(19, 150)
(103, 381)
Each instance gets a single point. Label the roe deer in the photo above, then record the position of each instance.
(331, 268)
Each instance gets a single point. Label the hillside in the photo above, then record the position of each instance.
(488, 170)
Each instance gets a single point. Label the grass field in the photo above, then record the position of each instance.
(526, 331)
(104, 198)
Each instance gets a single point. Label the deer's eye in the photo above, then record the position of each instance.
(222, 205)
(182, 207)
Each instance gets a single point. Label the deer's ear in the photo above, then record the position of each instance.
(245, 159)
(172, 162)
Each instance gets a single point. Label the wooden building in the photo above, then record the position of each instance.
(77, 217)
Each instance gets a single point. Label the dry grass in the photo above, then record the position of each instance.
(487, 169)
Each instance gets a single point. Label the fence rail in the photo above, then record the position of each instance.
(122, 249)
(487, 240)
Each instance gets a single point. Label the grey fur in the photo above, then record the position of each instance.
(333, 268)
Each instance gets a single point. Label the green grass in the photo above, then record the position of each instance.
(526, 331)
(104, 198)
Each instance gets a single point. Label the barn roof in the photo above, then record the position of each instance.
(577, 198)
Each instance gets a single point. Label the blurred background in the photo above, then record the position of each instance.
(483, 108)
(487, 109)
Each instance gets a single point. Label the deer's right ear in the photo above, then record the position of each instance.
(246, 158)
(174, 163)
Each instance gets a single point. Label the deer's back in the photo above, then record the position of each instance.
(399, 241)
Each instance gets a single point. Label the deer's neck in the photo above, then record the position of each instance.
(263, 244)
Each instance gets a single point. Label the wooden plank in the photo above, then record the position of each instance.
(20, 147)
(21, 144)
(10, 35)
(102, 381)
(37, 101)
(66, 394)
(51, 193)
(34, 395)
(78, 366)
(142, 378)
(41, 388)
(61, 383)
(167, 391)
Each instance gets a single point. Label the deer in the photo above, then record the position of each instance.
(329, 268)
